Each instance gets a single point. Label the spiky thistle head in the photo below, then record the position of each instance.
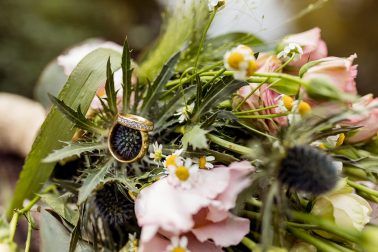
(308, 169)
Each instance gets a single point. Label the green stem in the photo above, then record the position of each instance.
(286, 63)
(266, 225)
(282, 76)
(248, 243)
(262, 116)
(257, 131)
(29, 236)
(13, 226)
(250, 94)
(326, 225)
(362, 188)
(229, 145)
(254, 110)
(303, 235)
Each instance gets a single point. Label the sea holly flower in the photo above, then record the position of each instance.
(184, 113)
(204, 162)
(178, 244)
(339, 72)
(201, 212)
(215, 4)
(292, 49)
(242, 61)
(157, 154)
(310, 41)
(183, 174)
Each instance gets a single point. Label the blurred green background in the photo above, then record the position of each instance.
(32, 33)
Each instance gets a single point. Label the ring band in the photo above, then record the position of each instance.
(135, 122)
(128, 138)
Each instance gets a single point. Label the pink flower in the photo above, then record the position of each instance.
(367, 119)
(338, 71)
(200, 213)
(313, 47)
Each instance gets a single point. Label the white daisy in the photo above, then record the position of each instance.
(183, 174)
(290, 50)
(178, 244)
(204, 162)
(157, 153)
(241, 60)
(184, 113)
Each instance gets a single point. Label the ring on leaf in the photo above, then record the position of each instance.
(128, 137)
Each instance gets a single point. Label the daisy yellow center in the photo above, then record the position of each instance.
(182, 173)
(287, 102)
(340, 140)
(178, 249)
(252, 67)
(202, 162)
(235, 59)
(171, 160)
(101, 92)
(322, 146)
(304, 108)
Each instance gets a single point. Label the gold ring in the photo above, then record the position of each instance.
(128, 138)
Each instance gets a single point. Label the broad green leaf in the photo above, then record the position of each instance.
(111, 95)
(196, 137)
(58, 204)
(73, 149)
(76, 117)
(79, 90)
(181, 26)
(55, 237)
(153, 91)
(285, 87)
(126, 76)
(94, 178)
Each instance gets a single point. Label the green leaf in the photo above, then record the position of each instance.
(177, 101)
(55, 237)
(76, 117)
(73, 149)
(126, 76)
(165, 74)
(111, 94)
(94, 178)
(219, 91)
(58, 204)
(196, 137)
(286, 87)
(79, 89)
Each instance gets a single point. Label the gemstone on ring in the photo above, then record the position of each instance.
(128, 138)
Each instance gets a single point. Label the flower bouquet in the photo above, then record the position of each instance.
(206, 144)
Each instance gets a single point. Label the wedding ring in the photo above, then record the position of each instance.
(128, 138)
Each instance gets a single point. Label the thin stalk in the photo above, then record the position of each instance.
(250, 94)
(256, 131)
(262, 116)
(303, 235)
(248, 243)
(266, 225)
(229, 145)
(362, 188)
(286, 63)
(254, 110)
(29, 235)
(282, 76)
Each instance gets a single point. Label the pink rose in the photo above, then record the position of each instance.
(367, 119)
(313, 47)
(340, 72)
(200, 213)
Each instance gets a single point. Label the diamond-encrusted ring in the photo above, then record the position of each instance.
(128, 137)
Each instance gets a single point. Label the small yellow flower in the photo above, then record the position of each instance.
(252, 67)
(241, 59)
(172, 159)
(182, 173)
(204, 162)
(340, 139)
(235, 59)
(287, 102)
(304, 108)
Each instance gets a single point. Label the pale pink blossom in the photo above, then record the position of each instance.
(367, 119)
(313, 46)
(339, 72)
(200, 212)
